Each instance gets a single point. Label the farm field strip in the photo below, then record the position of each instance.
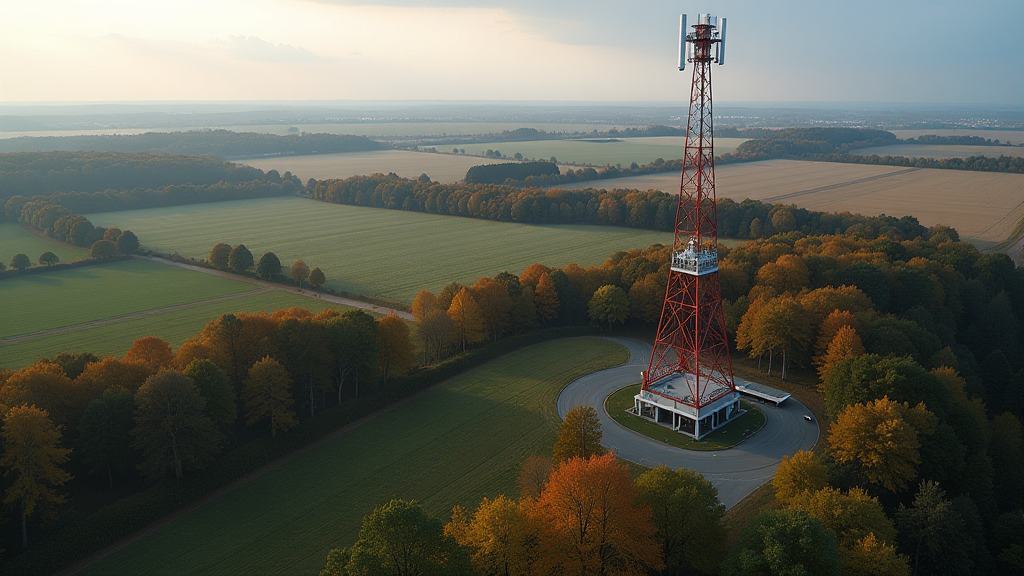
(986, 216)
(451, 445)
(1004, 136)
(64, 297)
(940, 151)
(16, 240)
(445, 168)
(175, 326)
(601, 153)
(377, 252)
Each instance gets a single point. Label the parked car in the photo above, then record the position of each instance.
(808, 418)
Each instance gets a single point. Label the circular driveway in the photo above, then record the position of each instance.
(736, 472)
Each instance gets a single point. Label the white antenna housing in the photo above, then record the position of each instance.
(682, 42)
(721, 44)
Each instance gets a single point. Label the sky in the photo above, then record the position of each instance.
(928, 51)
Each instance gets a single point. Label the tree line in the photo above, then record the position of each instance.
(44, 173)
(220, 143)
(239, 259)
(62, 224)
(649, 210)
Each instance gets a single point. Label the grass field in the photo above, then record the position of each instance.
(985, 216)
(741, 428)
(446, 168)
(940, 151)
(600, 153)
(451, 445)
(65, 297)
(15, 240)
(385, 253)
(174, 326)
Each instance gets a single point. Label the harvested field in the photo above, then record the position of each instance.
(174, 326)
(16, 240)
(64, 297)
(446, 168)
(451, 445)
(985, 216)
(601, 152)
(377, 252)
(1004, 136)
(940, 151)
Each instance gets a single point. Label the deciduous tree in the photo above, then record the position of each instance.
(784, 542)
(351, 341)
(438, 335)
(871, 556)
(883, 437)
(172, 429)
(609, 304)
(20, 262)
(127, 242)
(851, 515)
(797, 474)
(299, 271)
(267, 396)
(394, 347)
(219, 255)
(316, 278)
(150, 351)
(102, 250)
(105, 433)
(533, 476)
(424, 303)
(215, 387)
(501, 536)
(32, 459)
(546, 299)
(579, 435)
(845, 344)
(688, 518)
(240, 259)
(269, 265)
(468, 318)
(48, 259)
(591, 523)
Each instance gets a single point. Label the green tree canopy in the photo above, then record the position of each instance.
(269, 265)
(172, 429)
(267, 396)
(316, 278)
(102, 249)
(215, 386)
(105, 433)
(579, 436)
(240, 259)
(219, 255)
(48, 259)
(127, 242)
(20, 262)
(609, 304)
(778, 543)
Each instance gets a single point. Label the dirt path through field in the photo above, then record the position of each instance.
(271, 286)
(116, 319)
(838, 185)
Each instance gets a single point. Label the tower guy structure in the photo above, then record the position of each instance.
(689, 384)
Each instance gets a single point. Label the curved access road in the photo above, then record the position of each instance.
(736, 472)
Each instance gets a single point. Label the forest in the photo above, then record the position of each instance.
(650, 210)
(220, 143)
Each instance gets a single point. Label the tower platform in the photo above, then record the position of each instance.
(669, 403)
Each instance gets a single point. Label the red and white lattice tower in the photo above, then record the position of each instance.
(689, 383)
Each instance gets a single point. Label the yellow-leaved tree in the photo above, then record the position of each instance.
(266, 395)
(394, 347)
(797, 474)
(423, 304)
(579, 436)
(501, 535)
(32, 460)
(845, 344)
(468, 319)
(882, 436)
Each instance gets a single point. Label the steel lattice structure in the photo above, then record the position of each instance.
(691, 335)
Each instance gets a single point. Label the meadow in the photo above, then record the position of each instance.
(984, 207)
(601, 152)
(16, 240)
(451, 445)
(445, 168)
(1004, 136)
(939, 151)
(174, 326)
(376, 252)
(66, 297)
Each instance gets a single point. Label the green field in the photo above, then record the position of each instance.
(940, 151)
(15, 240)
(599, 152)
(741, 428)
(65, 297)
(377, 252)
(174, 326)
(451, 445)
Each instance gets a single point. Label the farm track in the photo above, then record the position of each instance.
(271, 286)
(839, 185)
(116, 319)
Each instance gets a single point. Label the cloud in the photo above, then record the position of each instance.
(254, 49)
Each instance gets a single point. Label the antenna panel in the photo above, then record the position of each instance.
(721, 44)
(682, 42)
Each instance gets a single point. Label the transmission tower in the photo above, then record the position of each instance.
(689, 384)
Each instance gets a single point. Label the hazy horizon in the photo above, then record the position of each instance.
(452, 50)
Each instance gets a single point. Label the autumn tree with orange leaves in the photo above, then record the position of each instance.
(150, 351)
(590, 523)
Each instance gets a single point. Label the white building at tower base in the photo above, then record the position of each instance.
(669, 402)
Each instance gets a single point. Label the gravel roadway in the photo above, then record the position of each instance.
(736, 472)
